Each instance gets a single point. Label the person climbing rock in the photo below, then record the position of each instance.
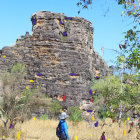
(64, 126)
(103, 136)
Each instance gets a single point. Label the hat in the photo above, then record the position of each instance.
(63, 115)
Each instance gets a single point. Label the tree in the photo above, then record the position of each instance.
(15, 103)
(131, 46)
(75, 114)
(107, 93)
(55, 108)
(131, 49)
(109, 89)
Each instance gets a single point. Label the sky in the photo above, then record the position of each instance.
(15, 21)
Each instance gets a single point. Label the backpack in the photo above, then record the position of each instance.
(58, 130)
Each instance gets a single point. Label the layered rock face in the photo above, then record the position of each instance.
(60, 49)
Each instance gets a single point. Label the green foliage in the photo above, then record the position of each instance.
(64, 38)
(104, 113)
(14, 101)
(132, 54)
(18, 70)
(17, 46)
(131, 47)
(131, 94)
(121, 59)
(19, 41)
(55, 107)
(14, 77)
(46, 95)
(110, 90)
(5, 78)
(121, 1)
(75, 114)
(25, 97)
(44, 117)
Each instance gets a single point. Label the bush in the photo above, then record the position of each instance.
(75, 114)
(15, 102)
(55, 108)
(104, 113)
(43, 117)
(110, 90)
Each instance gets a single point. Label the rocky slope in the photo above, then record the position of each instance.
(58, 56)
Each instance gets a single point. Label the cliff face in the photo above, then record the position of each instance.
(58, 56)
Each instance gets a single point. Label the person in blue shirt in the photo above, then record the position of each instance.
(64, 126)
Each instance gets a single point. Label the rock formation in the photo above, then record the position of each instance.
(58, 56)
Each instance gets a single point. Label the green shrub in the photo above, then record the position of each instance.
(55, 108)
(43, 117)
(64, 38)
(15, 102)
(104, 113)
(110, 90)
(18, 68)
(75, 114)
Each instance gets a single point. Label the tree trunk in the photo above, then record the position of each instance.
(120, 115)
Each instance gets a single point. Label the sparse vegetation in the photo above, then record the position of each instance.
(55, 108)
(109, 96)
(44, 117)
(75, 114)
(64, 38)
(15, 103)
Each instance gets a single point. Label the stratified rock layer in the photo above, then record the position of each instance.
(57, 47)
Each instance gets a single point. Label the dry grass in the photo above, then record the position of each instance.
(46, 130)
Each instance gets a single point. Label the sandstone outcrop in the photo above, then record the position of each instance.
(58, 56)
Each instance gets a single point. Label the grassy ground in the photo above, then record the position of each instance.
(46, 130)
